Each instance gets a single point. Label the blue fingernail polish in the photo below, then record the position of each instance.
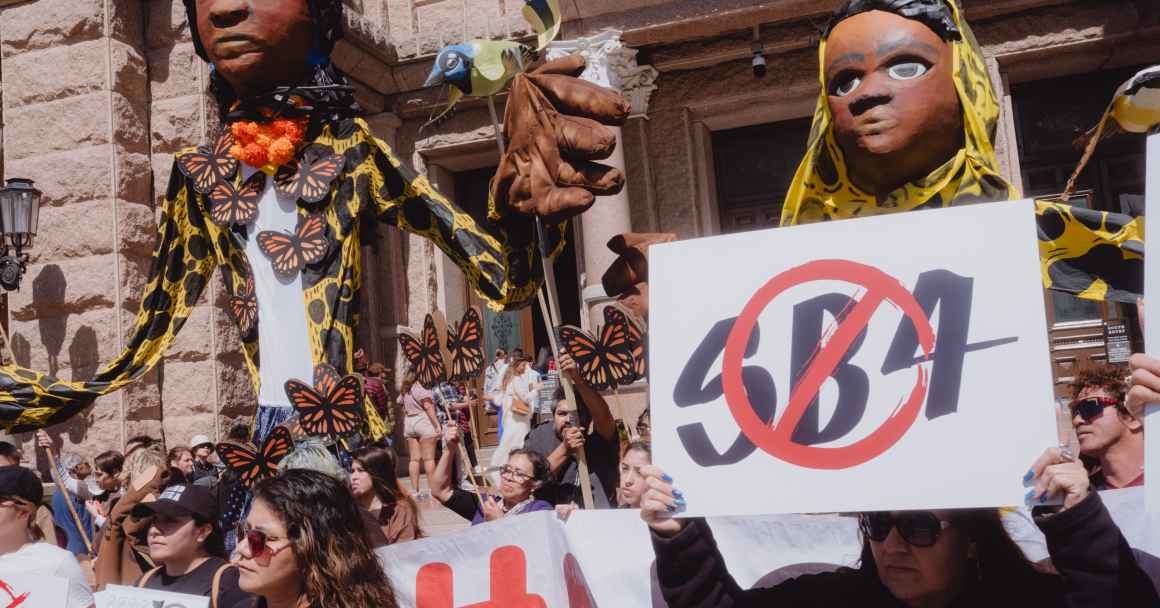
(665, 478)
(1029, 476)
(671, 508)
(678, 494)
(681, 502)
(1030, 496)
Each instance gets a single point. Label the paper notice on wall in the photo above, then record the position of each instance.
(1152, 321)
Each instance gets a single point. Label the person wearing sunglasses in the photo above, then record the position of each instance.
(303, 545)
(915, 559)
(1110, 431)
(187, 547)
(523, 474)
(22, 550)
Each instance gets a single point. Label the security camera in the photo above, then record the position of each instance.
(758, 65)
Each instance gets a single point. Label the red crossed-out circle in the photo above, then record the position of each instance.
(777, 440)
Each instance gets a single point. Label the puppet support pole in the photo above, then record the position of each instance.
(463, 460)
(67, 499)
(619, 413)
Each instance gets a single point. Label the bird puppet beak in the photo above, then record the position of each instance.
(435, 78)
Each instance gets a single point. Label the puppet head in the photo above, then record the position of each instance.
(905, 119)
(258, 46)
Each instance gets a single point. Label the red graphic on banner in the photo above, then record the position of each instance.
(578, 595)
(777, 439)
(435, 588)
(13, 599)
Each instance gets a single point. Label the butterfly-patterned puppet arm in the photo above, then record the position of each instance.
(182, 263)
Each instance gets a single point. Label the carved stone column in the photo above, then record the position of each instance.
(612, 65)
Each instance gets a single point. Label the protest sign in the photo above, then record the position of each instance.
(118, 596)
(606, 558)
(32, 591)
(892, 362)
(1152, 317)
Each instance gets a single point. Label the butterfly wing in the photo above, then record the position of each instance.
(585, 351)
(312, 242)
(613, 315)
(283, 253)
(229, 205)
(244, 462)
(325, 378)
(465, 343)
(277, 446)
(244, 306)
(309, 405)
(615, 353)
(206, 167)
(412, 349)
(308, 179)
(431, 369)
(223, 164)
(343, 406)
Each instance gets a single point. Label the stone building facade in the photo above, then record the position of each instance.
(98, 94)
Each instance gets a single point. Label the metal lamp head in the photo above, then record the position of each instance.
(19, 212)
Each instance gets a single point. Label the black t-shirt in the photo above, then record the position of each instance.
(200, 582)
(602, 467)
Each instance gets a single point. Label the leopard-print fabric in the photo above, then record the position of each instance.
(372, 181)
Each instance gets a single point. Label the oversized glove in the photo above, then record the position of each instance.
(554, 129)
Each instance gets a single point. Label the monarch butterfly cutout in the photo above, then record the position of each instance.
(244, 307)
(230, 205)
(290, 252)
(604, 363)
(465, 343)
(308, 179)
(207, 167)
(252, 467)
(424, 356)
(614, 313)
(332, 407)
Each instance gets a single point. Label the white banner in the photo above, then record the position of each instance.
(1152, 317)
(806, 377)
(119, 596)
(605, 558)
(31, 591)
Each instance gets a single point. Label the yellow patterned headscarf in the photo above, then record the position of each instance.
(822, 190)
(1093, 254)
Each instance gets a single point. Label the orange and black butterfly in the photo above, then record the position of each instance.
(330, 408)
(252, 467)
(244, 306)
(604, 363)
(425, 356)
(230, 205)
(465, 343)
(290, 252)
(613, 314)
(207, 167)
(308, 178)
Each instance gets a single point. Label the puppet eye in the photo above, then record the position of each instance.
(451, 62)
(907, 71)
(846, 86)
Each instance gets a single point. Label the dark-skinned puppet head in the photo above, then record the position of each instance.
(261, 50)
(905, 119)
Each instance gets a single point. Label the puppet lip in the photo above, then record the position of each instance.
(235, 45)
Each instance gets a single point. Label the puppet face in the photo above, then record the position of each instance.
(256, 45)
(890, 88)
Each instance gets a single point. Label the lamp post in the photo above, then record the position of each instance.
(19, 213)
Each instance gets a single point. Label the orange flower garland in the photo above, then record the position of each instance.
(267, 145)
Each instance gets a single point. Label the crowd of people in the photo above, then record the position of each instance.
(160, 519)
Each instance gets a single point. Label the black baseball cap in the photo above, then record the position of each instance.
(182, 500)
(19, 482)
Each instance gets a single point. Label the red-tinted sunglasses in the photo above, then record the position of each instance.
(1090, 408)
(256, 542)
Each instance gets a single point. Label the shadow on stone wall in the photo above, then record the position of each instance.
(47, 293)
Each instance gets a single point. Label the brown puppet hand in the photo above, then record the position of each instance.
(554, 126)
(627, 277)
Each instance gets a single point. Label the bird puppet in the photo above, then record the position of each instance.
(477, 68)
(545, 19)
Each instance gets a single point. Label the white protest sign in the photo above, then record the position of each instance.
(32, 591)
(903, 360)
(118, 596)
(1152, 317)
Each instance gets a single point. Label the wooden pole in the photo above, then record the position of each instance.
(463, 460)
(68, 500)
(619, 413)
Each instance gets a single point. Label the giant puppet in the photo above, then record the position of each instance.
(905, 121)
(276, 203)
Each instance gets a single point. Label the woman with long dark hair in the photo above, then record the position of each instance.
(915, 559)
(303, 545)
(375, 487)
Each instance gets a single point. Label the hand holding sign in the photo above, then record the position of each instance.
(660, 501)
(1055, 475)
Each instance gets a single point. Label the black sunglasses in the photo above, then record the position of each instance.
(919, 528)
(1090, 408)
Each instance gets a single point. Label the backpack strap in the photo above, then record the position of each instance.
(148, 575)
(216, 587)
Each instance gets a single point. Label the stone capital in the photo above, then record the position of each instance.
(612, 65)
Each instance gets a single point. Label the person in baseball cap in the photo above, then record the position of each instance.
(186, 545)
(20, 552)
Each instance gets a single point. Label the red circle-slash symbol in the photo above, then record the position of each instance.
(777, 439)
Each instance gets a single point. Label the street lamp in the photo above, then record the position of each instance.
(19, 212)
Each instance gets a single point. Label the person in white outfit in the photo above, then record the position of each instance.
(515, 389)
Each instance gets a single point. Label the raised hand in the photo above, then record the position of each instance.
(1055, 475)
(660, 502)
(554, 128)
